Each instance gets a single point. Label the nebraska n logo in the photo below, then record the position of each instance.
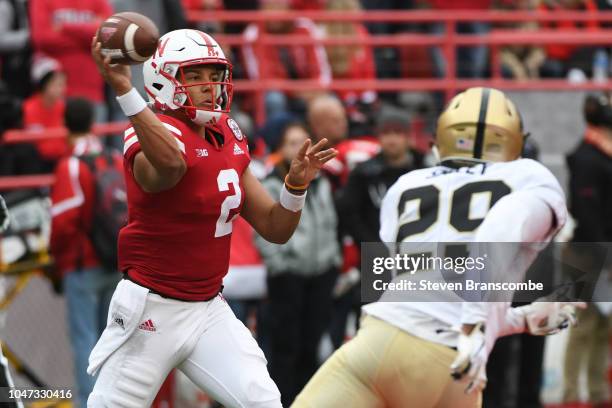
(208, 42)
(161, 47)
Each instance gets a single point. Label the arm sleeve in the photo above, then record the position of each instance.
(131, 146)
(474, 312)
(525, 217)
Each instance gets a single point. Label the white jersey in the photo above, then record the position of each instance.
(441, 204)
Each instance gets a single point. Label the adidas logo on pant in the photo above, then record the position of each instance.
(147, 325)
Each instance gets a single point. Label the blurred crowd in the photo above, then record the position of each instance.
(294, 295)
(44, 58)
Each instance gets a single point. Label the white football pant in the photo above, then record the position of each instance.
(202, 339)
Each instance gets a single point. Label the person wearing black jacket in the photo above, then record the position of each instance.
(368, 182)
(359, 201)
(590, 166)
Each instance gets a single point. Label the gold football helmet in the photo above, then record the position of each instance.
(480, 124)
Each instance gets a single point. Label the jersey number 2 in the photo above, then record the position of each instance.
(224, 179)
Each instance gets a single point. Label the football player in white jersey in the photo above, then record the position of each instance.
(482, 191)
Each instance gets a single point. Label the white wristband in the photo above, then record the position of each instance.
(290, 201)
(131, 103)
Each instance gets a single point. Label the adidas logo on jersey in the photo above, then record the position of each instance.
(148, 326)
(237, 150)
(118, 319)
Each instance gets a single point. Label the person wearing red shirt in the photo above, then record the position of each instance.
(62, 29)
(560, 58)
(87, 286)
(45, 109)
(264, 61)
(350, 61)
(187, 178)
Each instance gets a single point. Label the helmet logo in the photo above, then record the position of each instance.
(212, 52)
(464, 144)
(162, 46)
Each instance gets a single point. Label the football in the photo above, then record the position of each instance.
(128, 38)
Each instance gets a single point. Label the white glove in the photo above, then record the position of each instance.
(546, 318)
(471, 361)
(4, 215)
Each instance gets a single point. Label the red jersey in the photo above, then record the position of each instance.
(72, 198)
(63, 29)
(38, 116)
(177, 242)
(562, 51)
(264, 61)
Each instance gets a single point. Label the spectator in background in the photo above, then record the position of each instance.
(63, 29)
(590, 166)
(15, 48)
(301, 275)
(355, 61)
(369, 181)
(471, 61)
(387, 57)
(45, 109)
(211, 27)
(88, 287)
(359, 202)
(20, 158)
(262, 61)
(562, 58)
(521, 61)
(327, 119)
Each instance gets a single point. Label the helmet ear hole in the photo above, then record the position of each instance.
(157, 86)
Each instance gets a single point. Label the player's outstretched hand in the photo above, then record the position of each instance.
(545, 318)
(118, 76)
(308, 162)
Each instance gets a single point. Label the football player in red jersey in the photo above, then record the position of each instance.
(186, 169)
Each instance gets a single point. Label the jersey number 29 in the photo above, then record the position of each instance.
(429, 202)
